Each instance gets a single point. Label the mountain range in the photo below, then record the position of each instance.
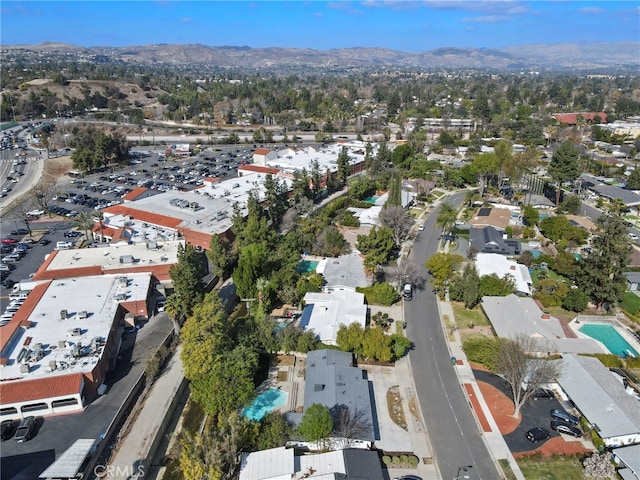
(543, 57)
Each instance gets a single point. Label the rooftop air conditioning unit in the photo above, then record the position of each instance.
(123, 281)
(83, 314)
(64, 314)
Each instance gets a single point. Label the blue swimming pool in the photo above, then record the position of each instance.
(265, 402)
(608, 335)
(372, 199)
(307, 266)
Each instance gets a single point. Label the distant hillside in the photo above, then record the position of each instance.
(565, 56)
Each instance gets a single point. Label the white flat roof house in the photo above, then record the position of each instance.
(325, 312)
(488, 263)
(512, 315)
(602, 398)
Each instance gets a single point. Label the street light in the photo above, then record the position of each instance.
(463, 472)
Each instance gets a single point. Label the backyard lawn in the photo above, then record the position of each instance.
(537, 467)
(464, 316)
(631, 303)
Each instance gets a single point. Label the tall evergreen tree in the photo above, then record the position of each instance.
(602, 271)
(564, 166)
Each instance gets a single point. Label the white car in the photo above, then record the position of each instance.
(421, 227)
(35, 213)
(633, 237)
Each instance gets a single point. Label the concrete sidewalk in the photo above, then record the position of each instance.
(491, 435)
(134, 452)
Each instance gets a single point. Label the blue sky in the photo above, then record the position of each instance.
(396, 24)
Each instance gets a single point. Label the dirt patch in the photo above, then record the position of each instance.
(556, 446)
(413, 408)
(54, 168)
(285, 360)
(501, 408)
(394, 405)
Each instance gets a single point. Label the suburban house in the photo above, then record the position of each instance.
(283, 464)
(491, 217)
(611, 192)
(603, 398)
(628, 460)
(331, 380)
(492, 240)
(489, 263)
(512, 315)
(633, 280)
(325, 312)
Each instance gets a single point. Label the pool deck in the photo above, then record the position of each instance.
(612, 321)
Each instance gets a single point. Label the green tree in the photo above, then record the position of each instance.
(219, 254)
(376, 345)
(442, 267)
(575, 300)
(187, 275)
(571, 204)
(252, 264)
(555, 228)
(344, 169)
(377, 247)
(350, 338)
(564, 166)
(274, 431)
(402, 155)
(551, 292)
(601, 276)
(395, 190)
(466, 287)
(494, 286)
(447, 215)
(633, 181)
(530, 215)
(485, 167)
(316, 424)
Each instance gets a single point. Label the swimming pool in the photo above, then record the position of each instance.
(264, 403)
(307, 266)
(608, 335)
(372, 199)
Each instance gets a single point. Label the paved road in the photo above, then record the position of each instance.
(453, 431)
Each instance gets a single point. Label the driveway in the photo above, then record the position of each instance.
(534, 413)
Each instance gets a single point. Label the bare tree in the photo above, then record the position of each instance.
(407, 272)
(517, 362)
(21, 214)
(399, 221)
(349, 426)
(43, 194)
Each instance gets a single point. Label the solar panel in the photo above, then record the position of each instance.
(484, 212)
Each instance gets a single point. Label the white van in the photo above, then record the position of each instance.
(63, 245)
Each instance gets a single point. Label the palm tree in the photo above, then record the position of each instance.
(174, 306)
(99, 215)
(447, 216)
(84, 221)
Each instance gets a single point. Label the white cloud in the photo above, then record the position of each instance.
(487, 19)
(483, 6)
(393, 4)
(590, 10)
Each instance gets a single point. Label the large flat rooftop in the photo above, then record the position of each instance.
(73, 344)
(115, 258)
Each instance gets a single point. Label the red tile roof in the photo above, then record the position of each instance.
(261, 151)
(40, 388)
(571, 118)
(153, 218)
(259, 169)
(135, 193)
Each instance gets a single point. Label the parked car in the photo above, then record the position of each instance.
(9, 240)
(543, 393)
(72, 234)
(563, 427)
(8, 283)
(44, 242)
(20, 231)
(564, 416)
(25, 429)
(7, 429)
(536, 434)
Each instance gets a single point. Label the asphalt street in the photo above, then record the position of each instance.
(453, 432)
